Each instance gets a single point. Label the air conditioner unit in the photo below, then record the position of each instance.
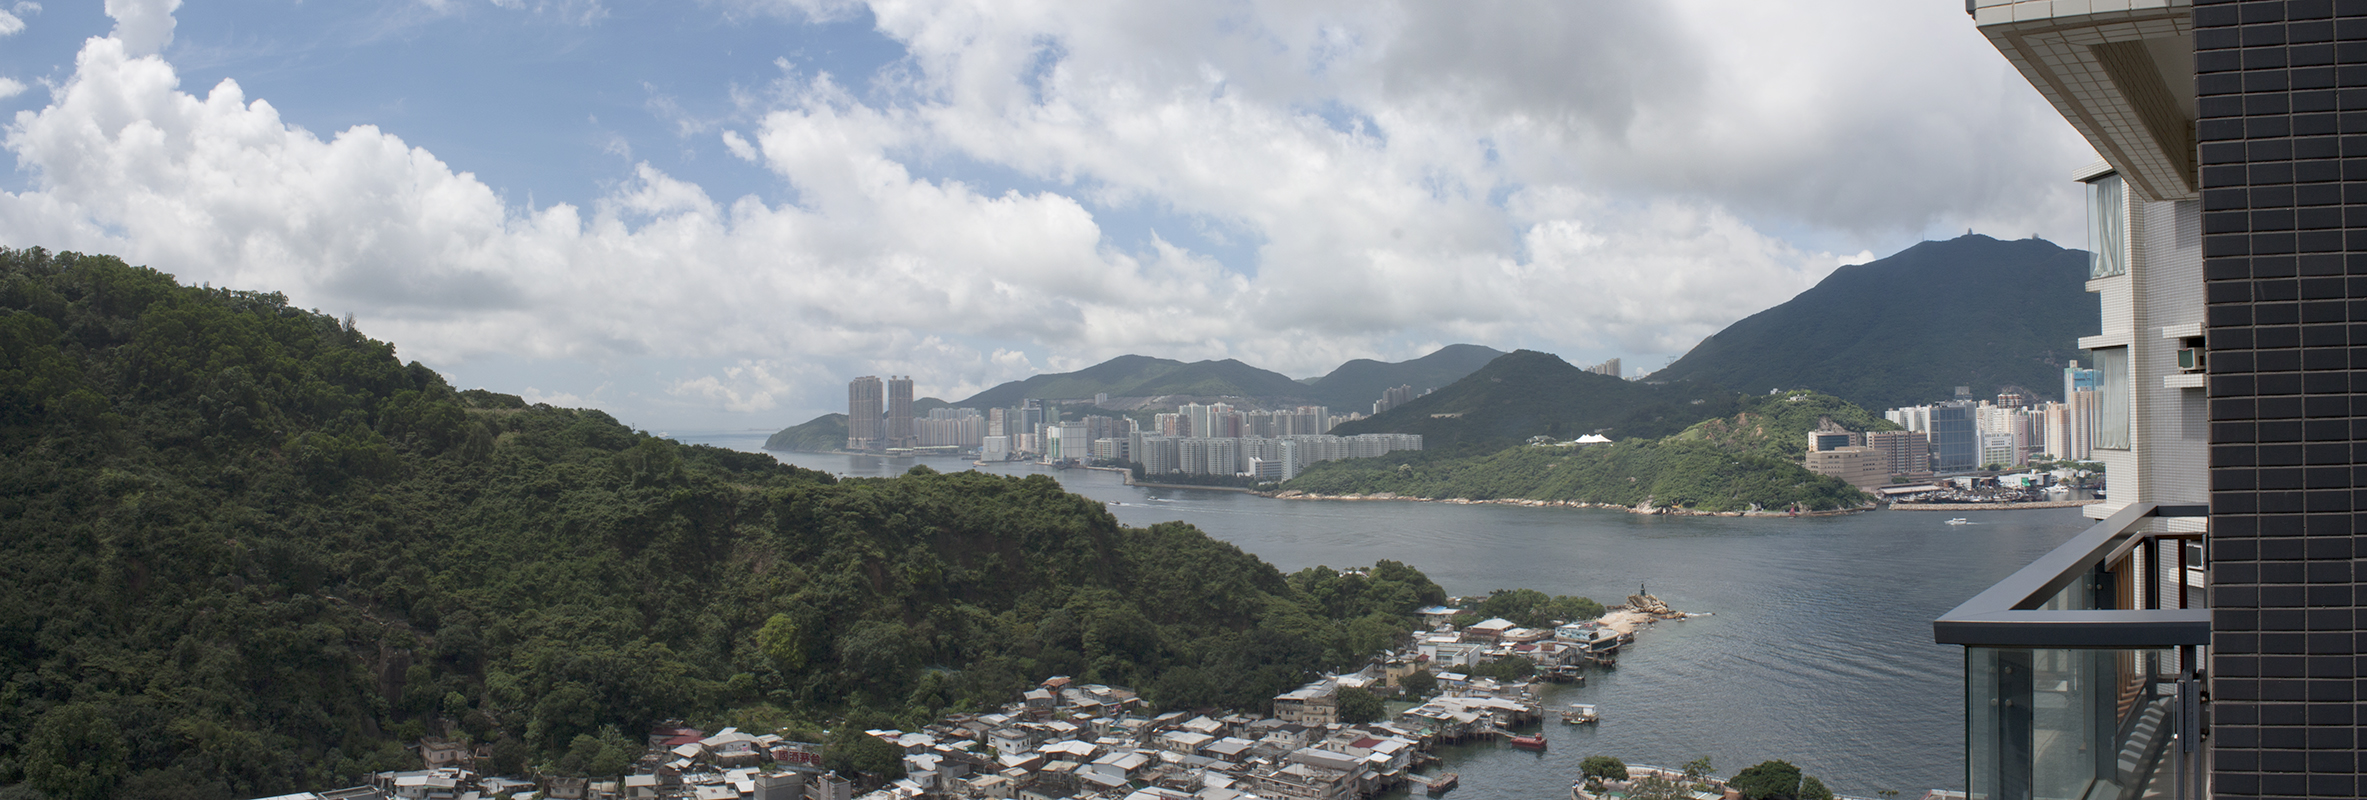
(2190, 359)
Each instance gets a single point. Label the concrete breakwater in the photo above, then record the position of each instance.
(1516, 501)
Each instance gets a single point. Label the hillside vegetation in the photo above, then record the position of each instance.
(1527, 393)
(1777, 426)
(1726, 464)
(1691, 474)
(249, 551)
(821, 434)
(1905, 330)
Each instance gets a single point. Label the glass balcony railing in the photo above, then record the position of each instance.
(2084, 670)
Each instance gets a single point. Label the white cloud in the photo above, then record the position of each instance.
(10, 24)
(1585, 178)
(10, 87)
(143, 26)
(739, 146)
(1862, 257)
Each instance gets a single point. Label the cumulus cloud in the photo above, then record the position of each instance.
(143, 26)
(1587, 178)
(10, 87)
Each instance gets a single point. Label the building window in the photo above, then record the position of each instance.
(2112, 388)
(2108, 233)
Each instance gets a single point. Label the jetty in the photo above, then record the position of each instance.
(1436, 784)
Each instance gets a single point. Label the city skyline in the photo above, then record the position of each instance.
(712, 216)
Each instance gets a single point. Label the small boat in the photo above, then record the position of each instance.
(1960, 521)
(1536, 742)
(1580, 714)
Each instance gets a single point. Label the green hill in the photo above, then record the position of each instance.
(247, 551)
(1777, 426)
(1726, 464)
(1905, 330)
(1527, 393)
(1691, 474)
(1227, 378)
(1144, 376)
(821, 434)
(1356, 384)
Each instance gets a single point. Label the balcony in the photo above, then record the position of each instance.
(2084, 671)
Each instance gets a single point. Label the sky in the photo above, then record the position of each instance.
(710, 215)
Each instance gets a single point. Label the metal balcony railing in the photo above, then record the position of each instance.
(2084, 670)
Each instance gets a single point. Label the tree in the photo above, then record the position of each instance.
(1508, 668)
(1420, 683)
(1358, 704)
(1813, 789)
(851, 750)
(1603, 768)
(75, 752)
(1768, 780)
(1699, 768)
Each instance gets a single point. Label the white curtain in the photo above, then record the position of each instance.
(2108, 239)
(2113, 383)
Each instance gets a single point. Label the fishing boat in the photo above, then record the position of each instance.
(1534, 742)
(1580, 714)
(1960, 521)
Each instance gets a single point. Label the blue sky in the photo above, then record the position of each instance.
(711, 215)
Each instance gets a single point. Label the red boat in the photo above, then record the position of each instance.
(1536, 742)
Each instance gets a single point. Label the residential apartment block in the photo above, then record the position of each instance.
(2201, 640)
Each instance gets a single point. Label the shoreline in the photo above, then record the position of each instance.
(1991, 506)
(1672, 511)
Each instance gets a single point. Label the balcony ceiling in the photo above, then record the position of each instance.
(2122, 76)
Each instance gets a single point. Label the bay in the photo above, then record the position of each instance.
(1818, 649)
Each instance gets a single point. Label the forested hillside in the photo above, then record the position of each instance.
(1777, 425)
(821, 434)
(1726, 464)
(1970, 311)
(249, 551)
(1526, 393)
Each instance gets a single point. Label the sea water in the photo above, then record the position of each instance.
(1817, 650)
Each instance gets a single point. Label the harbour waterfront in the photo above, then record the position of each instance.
(1818, 650)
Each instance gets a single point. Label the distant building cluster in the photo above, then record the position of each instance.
(1195, 439)
(1610, 368)
(1393, 397)
(1965, 435)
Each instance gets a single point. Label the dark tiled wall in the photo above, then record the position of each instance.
(2283, 138)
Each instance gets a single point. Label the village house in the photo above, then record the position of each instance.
(1316, 703)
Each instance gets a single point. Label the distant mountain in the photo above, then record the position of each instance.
(1144, 376)
(1527, 393)
(1214, 378)
(1356, 384)
(1905, 330)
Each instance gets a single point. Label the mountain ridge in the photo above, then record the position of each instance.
(1907, 329)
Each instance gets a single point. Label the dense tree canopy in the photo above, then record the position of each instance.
(250, 551)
